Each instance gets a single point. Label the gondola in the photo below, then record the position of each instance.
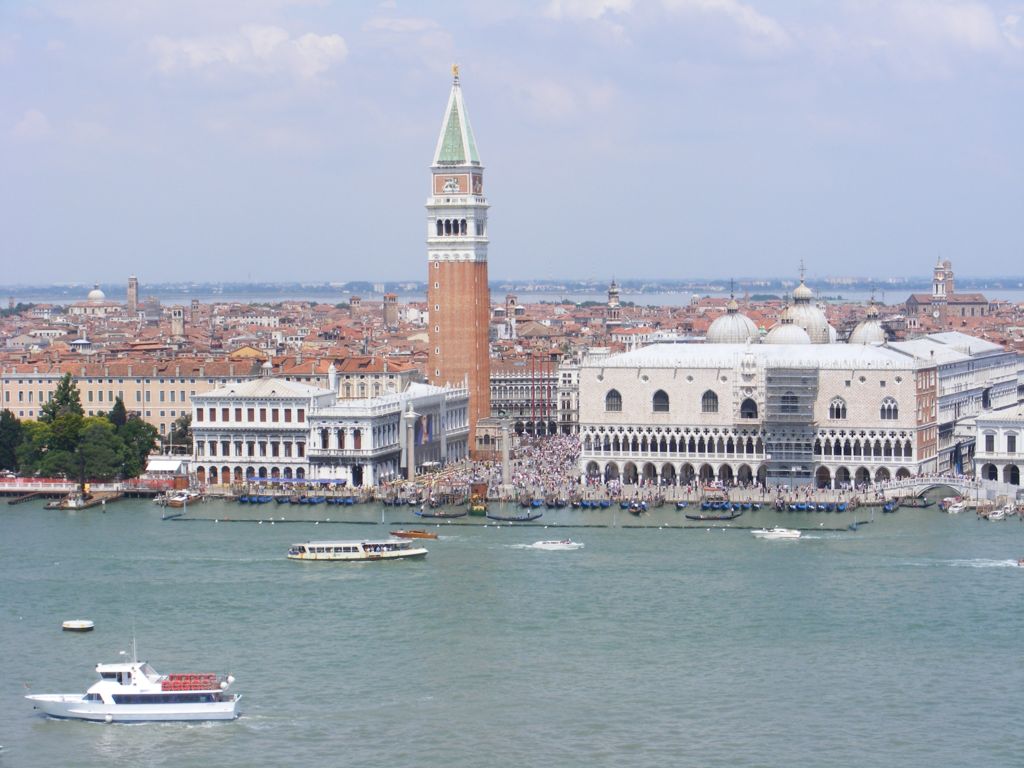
(442, 513)
(731, 516)
(515, 518)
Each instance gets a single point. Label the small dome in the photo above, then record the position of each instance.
(731, 328)
(802, 292)
(96, 295)
(787, 332)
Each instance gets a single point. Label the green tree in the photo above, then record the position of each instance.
(101, 451)
(139, 440)
(35, 439)
(66, 399)
(180, 436)
(118, 414)
(10, 438)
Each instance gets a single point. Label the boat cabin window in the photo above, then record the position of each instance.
(108, 675)
(93, 697)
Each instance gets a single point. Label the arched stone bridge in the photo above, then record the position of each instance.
(968, 487)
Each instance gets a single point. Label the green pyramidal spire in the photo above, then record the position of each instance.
(456, 145)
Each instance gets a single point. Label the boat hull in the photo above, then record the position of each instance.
(344, 557)
(75, 707)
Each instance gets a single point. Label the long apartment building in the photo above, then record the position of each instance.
(159, 392)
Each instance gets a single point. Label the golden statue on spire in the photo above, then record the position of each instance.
(455, 72)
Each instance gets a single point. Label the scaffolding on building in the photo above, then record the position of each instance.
(790, 394)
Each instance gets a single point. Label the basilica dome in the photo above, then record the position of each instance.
(787, 332)
(732, 328)
(96, 295)
(869, 330)
(808, 316)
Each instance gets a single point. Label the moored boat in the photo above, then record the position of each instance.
(442, 514)
(133, 692)
(356, 551)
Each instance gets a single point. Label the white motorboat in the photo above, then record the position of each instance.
(78, 625)
(776, 533)
(956, 508)
(554, 546)
(356, 551)
(133, 692)
(997, 514)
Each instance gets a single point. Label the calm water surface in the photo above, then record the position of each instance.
(897, 645)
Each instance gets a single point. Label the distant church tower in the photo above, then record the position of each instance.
(613, 317)
(458, 300)
(133, 294)
(177, 321)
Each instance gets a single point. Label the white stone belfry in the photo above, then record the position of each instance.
(456, 208)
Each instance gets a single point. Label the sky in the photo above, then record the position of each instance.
(235, 140)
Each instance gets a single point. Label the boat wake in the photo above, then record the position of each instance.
(979, 562)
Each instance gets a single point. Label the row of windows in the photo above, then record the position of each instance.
(457, 227)
(276, 415)
(990, 443)
(248, 448)
(889, 409)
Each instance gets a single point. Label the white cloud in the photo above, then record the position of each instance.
(33, 125)
(586, 9)
(964, 25)
(752, 23)
(1010, 24)
(255, 49)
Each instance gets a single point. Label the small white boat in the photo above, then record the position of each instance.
(356, 551)
(180, 499)
(776, 533)
(554, 546)
(956, 508)
(133, 692)
(997, 514)
(78, 625)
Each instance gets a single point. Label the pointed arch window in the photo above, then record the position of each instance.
(837, 409)
(889, 410)
(748, 409)
(660, 401)
(709, 402)
(613, 401)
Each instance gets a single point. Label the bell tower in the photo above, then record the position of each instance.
(458, 299)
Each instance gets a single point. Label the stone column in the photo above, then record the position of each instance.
(410, 443)
(506, 468)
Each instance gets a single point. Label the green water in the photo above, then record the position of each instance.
(896, 645)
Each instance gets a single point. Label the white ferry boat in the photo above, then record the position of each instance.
(356, 551)
(776, 533)
(133, 692)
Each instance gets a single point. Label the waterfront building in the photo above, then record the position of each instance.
(254, 429)
(369, 441)
(1000, 441)
(275, 429)
(159, 391)
(785, 414)
(458, 298)
(974, 377)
